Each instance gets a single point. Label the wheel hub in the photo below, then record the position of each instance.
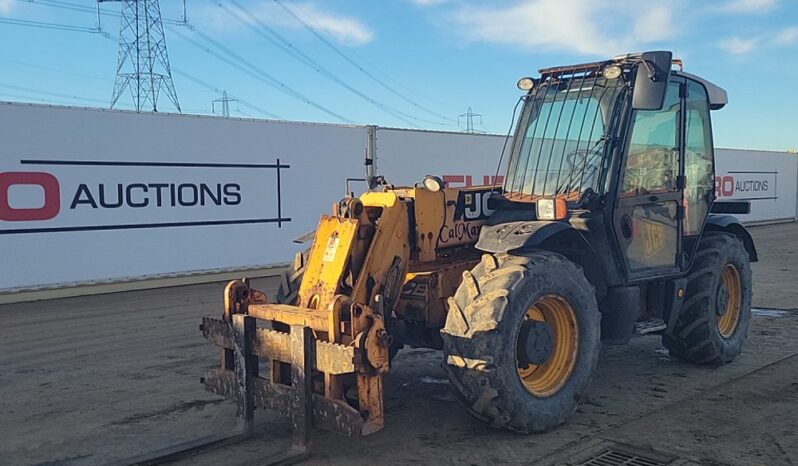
(538, 338)
(722, 300)
(728, 300)
(547, 345)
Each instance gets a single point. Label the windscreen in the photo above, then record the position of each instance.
(563, 134)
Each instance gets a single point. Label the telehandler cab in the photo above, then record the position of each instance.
(606, 226)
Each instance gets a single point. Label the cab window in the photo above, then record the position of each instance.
(652, 164)
(698, 168)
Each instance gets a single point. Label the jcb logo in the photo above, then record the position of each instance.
(474, 205)
(653, 237)
(50, 187)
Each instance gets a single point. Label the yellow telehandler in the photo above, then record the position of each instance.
(605, 226)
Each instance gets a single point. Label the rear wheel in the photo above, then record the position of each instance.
(522, 339)
(713, 323)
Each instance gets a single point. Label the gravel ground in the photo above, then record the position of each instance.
(98, 379)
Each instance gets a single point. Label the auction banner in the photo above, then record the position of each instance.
(765, 179)
(56, 195)
(91, 195)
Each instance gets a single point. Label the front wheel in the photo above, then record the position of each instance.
(522, 340)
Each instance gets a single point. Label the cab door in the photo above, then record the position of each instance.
(647, 217)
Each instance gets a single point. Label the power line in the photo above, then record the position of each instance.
(86, 100)
(254, 72)
(372, 65)
(245, 66)
(218, 91)
(391, 78)
(246, 114)
(23, 98)
(71, 6)
(259, 109)
(211, 87)
(93, 10)
(385, 85)
(278, 40)
(50, 93)
(26, 97)
(287, 47)
(142, 47)
(46, 25)
(107, 36)
(265, 77)
(86, 9)
(54, 70)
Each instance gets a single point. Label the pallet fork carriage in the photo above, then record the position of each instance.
(244, 344)
(295, 356)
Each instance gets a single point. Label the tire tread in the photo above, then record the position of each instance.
(692, 338)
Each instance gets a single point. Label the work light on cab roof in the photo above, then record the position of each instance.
(526, 84)
(612, 72)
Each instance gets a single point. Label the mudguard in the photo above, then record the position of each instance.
(510, 236)
(731, 224)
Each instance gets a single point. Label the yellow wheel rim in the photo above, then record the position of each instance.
(730, 317)
(547, 378)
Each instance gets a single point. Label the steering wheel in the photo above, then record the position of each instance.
(576, 159)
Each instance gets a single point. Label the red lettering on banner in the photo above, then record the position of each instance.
(52, 196)
(466, 181)
(448, 180)
(724, 186)
(493, 180)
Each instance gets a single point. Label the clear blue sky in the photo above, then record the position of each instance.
(439, 56)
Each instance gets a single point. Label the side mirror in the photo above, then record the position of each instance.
(651, 80)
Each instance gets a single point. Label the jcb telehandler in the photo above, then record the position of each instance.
(605, 226)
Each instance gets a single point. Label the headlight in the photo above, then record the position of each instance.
(526, 84)
(612, 72)
(551, 209)
(433, 183)
(545, 209)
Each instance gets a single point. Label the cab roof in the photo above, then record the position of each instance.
(718, 97)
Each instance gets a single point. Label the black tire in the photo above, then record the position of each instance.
(696, 336)
(481, 333)
(288, 290)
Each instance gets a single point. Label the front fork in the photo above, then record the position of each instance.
(298, 339)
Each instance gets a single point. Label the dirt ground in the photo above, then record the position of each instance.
(99, 379)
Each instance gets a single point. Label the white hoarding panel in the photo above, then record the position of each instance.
(461, 159)
(766, 179)
(92, 195)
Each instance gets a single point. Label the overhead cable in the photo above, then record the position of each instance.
(346, 57)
